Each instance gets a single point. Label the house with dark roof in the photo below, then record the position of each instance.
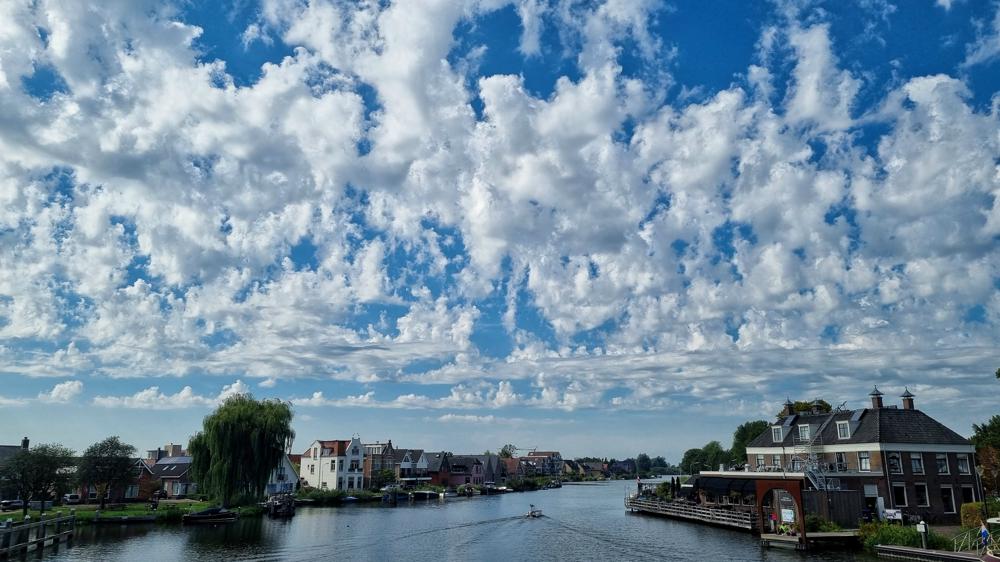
(6, 452)
(900, 460)
(174, 475)
(411, 467)
(334, 464)
(439, 468)
(378, 457)
(465, 470)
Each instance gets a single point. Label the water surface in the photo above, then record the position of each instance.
(581, 522)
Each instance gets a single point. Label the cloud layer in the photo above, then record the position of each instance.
(374, 208)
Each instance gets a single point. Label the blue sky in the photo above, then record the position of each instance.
(603, 227)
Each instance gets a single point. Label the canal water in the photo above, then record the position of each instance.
(581, 522)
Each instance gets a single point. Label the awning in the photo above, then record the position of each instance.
(726, 486)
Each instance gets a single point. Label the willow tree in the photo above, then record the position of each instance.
(239, 445)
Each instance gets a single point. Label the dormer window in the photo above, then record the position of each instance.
(776, 434)
(843, 430)
(804, 432)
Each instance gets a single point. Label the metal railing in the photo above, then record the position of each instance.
(726, 517)
(972, 541)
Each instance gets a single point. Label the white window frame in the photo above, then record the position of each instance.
(868, 461)
(917, 457)
(968, 466)
(947, 465)
(778, 458)
(760, 460)
(927, 494)
(776, 434)
(843, 430)
(808, 432)
(952, 490)
(893, 487)
(970, 487)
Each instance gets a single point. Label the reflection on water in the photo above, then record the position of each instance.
(583, 522)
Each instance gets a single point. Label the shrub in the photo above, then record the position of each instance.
(322, 497)
(816, 524)
(873, 534)
(972, 513)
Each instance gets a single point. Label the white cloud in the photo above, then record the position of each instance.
(62, 393)
(986, 47)
(152, 398)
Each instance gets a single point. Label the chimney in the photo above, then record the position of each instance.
(789, 407)
(907, 397)
(876, 396)
(24, 443)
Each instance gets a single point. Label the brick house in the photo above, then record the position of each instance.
(378, 457)
(465, 470)
(899, 458)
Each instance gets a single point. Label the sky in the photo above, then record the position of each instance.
(602, 227)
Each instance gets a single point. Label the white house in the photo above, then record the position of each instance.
(283, 478)
(335, 465)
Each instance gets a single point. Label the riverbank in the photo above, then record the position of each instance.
(168, 511)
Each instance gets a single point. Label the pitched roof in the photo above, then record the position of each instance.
(869, 425)
(171, 467)
(462, 463)
(400, 454)
(437, 462)
(331, 447)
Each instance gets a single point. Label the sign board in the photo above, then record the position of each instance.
(921, 527)
(894, 514)
(787, 515)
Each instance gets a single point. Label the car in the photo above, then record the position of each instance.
(7, 505)
(71, 499)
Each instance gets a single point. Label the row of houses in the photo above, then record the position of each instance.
(350, 464)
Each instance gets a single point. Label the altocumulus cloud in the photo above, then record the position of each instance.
(377, 206)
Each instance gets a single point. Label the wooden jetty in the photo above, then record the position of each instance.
(35, 535)
(816, 539)
(890, 552)
(733, 519)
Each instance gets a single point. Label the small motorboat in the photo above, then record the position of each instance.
(211, 515)
(533, 512)
(280, 506)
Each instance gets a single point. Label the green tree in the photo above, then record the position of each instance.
(508, 451)
(998, 373)
(801, 406)
(693, 461)
(38, 473)
(239, 445)
(381, 478)
(642, 463)
(987, 434)
(744, 434)
(659, 462)
(105, 465)
(715, 455)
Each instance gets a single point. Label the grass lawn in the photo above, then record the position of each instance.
(168, 510)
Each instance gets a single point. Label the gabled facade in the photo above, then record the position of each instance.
(465, 470)
(545, 463)
(284, 479)
(411, 467)
(379, 457)
(898, 458)
(334, 465)
(174, 475)
(439, 468)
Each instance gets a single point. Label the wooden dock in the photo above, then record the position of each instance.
(733, 519)
(834, 539)
(30, 535)
(923, 555)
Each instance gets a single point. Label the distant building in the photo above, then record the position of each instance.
(284, 479)
(379, 457)
(465, 470)
(439, 468)
(545, 463)
(334, 465)
(411, 466)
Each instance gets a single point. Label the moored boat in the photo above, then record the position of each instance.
(210, 516)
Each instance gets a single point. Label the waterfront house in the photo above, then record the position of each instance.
(545, 463)
(894, 460)
(439, 468)
(494, 471)
(141, 488)
(572, 468)
(174, 476)
(411, 467)
(512, 468)
(6, 452)
(284, 478)
(465, 470)
(378, 457)
(334, 464)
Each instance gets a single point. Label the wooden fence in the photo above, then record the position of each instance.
(30, 535)
(745, 520)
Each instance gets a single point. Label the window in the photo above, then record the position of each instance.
(760, 461)
(895, 463)
(340, 483)
(804, 432)
(968, 496)
(843, 430)
(841, 462)
(864, 461)
(796, 465)
(899, 494)
(948, 499)
(323, 485)
(354, 451)
(776, 461)
(132, 491)
(942, 463)
(333, 465)
(963, 464)
(922, 499)
(776, 434)
(917, 463)
(315, 453)
(312, 469)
